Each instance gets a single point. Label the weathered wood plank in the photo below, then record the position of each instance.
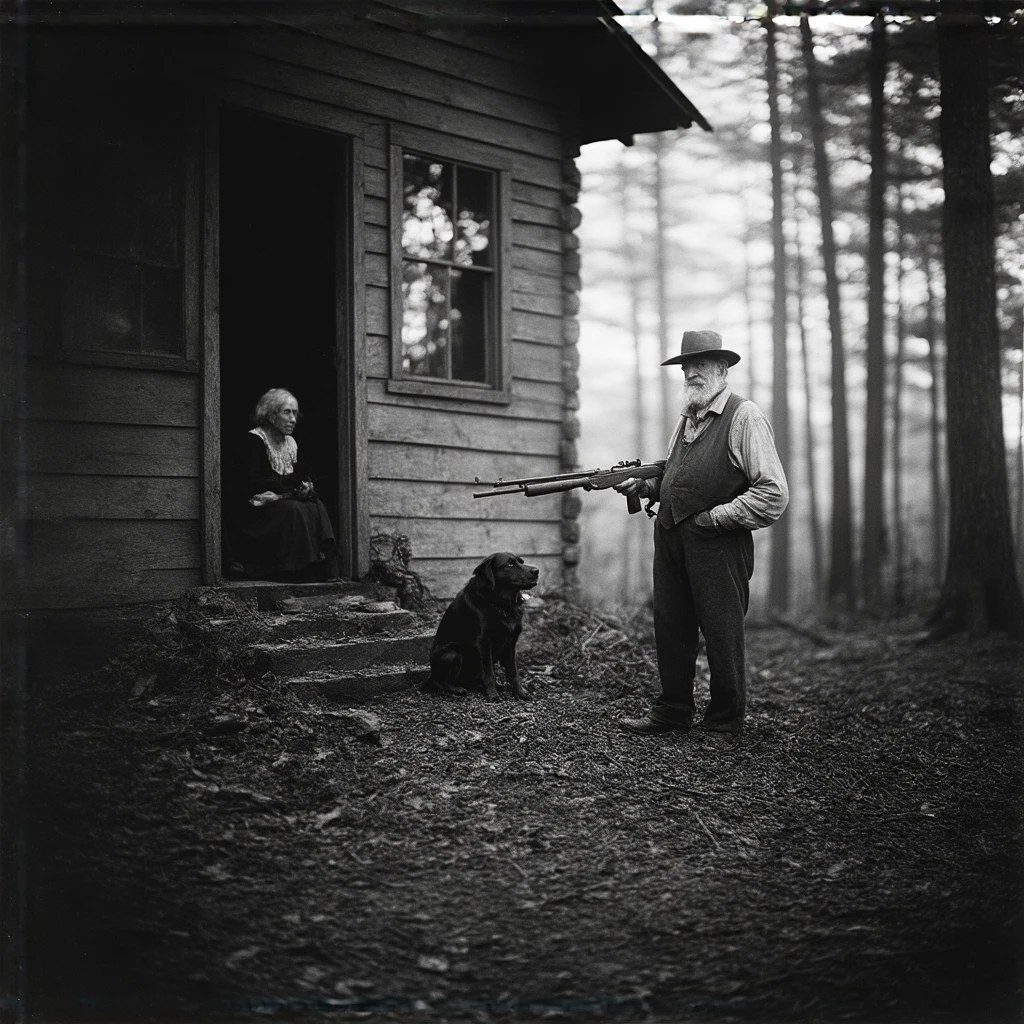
(414, 425)
(106, 394)
(446, 577)
(536, 284)
(81, 590)
(382, 68)
(109, 449)
(59, 549)
(378, 240)
(538, 261)
(437, 463)
(375, 182)
(530, 302)
(522, 407)
(468, 538)
(538, 362)
(376, 211)
(377, 269)
(538, 236)
(268, 72)
(528, 213)
(537, 327)
(111, 497)
(378, 310)
(443, 57)
(539, 196)
(417, 499)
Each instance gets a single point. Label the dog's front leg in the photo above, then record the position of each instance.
(508, 662)
(487, 670)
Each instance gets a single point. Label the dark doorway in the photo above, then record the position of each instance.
(278, 301)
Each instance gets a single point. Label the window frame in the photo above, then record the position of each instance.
(497, 390)
(187, 361)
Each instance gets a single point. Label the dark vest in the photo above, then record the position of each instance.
(700, 475)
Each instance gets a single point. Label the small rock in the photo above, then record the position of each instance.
(438, 964)
(379, 606)
(240, 956)
(365, 725)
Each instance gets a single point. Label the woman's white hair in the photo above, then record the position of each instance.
(270, 404)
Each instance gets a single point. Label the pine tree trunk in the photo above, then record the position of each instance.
(841, 584)
(753, 386)
(817, 563)
(778, 584)
(935, 426)
(898, 526)
(1020, 449)
(873, 548)
(981, 588)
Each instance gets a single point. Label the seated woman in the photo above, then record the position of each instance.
(281, 529)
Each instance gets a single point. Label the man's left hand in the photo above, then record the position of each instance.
(705, 520)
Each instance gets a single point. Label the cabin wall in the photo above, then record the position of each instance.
(111, 456)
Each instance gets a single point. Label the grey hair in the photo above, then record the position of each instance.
(269, 404)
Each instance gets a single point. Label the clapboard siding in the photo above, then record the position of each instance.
(521, 407)
(380, 69)
(418, 425)
(120, 584)
(446, 576)
(51, 497)
(530, 144)
(532, 361)
(470, 538)
(103, 394)
(420, 499)
(457, 62)
(110, 449)
(106, 547)
(438, 463)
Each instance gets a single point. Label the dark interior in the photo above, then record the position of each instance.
(277, 290)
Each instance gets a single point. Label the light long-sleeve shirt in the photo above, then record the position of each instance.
(752, 451)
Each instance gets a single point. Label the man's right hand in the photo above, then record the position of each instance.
(641, 488)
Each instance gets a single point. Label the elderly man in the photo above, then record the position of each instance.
(723, 478)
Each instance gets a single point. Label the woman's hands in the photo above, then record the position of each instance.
(302, 492)
(305, 489)
(264, 498)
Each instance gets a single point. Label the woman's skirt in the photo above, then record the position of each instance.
(283, 537)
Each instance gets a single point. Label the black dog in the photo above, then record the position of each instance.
(481, 627)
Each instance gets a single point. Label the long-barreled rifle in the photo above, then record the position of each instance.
(587, 480)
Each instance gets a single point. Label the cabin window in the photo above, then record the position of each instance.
(448, 266)
(126, 276)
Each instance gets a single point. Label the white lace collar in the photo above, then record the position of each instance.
(283, 455)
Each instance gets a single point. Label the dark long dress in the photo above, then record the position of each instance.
(284, 536)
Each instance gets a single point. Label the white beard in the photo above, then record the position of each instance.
(699, 395)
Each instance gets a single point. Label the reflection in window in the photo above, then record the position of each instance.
(448, 273)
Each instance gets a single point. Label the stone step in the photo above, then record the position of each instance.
(302, 656)
(267, 596)
(359, 684)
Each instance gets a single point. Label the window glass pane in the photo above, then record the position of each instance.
(129, 203)
(427, 222)
(162, 329)
(101, 304)
(424, 320)
(476, 215)
(470, 324)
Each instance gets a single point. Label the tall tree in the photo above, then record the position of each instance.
(874, 547)
(898, 533)
(981, 588)
(935, 418)
(841, 583)
(778, 587)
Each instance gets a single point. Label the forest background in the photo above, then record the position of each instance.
(723, 230)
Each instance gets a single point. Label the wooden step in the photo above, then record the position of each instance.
(327, 623)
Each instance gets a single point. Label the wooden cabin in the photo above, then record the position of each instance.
(204, 200)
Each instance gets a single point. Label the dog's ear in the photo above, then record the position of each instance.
(485, 572)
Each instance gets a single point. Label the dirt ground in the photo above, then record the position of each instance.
(204, 844)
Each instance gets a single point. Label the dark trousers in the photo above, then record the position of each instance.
(701, 582)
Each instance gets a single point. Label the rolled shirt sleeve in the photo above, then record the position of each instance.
(752, 450)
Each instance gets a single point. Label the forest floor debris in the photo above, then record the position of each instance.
(205, 843)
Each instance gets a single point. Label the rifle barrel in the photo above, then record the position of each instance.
(498, 490)
(523, 481)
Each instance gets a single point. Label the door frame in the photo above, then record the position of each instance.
(349, 343)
